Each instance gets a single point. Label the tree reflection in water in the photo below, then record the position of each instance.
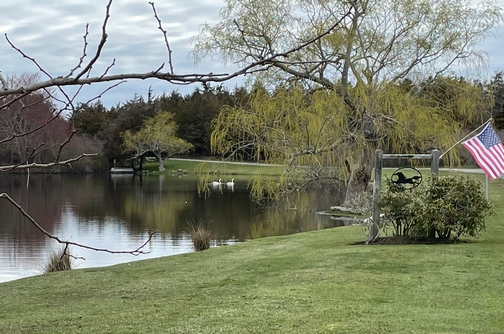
(119, 211)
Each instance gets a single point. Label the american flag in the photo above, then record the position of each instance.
(488, 151)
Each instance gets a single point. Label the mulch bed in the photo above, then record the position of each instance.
(400, 240)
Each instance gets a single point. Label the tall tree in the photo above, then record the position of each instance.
(496, 88)
(84, 73)
(22, 122)
(303, 131)
(91, 119)
(128, 116)
(194, 113)
(157, 136)
(376, 45)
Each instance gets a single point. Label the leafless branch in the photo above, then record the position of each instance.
(181, 79)
(104, 91)
(84, 52)
(23, 162)
(13, 100)
(41, 69)
(34, 61)
(160, 27)
(103, 40)
(64, 143)
(137, 251)
(3, 81)
(249, 47)
(46, 165)
(35, 129)
(108, 68)
(83, 77)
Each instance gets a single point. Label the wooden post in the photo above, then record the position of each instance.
(379, 156)
(435, 162)
(375, 226)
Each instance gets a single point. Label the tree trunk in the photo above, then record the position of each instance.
(161, 163)
(358, 182)
(138, 164)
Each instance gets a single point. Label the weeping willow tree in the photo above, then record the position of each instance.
(355, 78)
(320, 140)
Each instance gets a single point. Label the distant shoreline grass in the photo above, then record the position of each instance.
(247, 168)
(311, 282)
(214, 167)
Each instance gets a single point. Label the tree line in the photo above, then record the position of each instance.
(251, 124)
(103, 130)
(335, 81)
(184, 122)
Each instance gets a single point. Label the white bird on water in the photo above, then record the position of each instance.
(216, 183)
(230, 184)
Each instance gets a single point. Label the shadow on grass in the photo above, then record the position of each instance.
(400, 240)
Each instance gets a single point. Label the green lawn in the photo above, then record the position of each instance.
(312, 282)
(213, 167)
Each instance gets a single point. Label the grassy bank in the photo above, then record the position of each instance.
(313, 282)
(215, 167)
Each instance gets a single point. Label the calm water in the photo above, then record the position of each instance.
(119, 212)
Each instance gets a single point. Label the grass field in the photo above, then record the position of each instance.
(323, 281)
(215, 167)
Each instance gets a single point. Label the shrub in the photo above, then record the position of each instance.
(200, 235)
(58, 260)
(449, 207)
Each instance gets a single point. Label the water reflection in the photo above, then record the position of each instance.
(118, 212)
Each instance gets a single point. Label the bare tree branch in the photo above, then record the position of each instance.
(181, 79)
(99, 96)
(46, 165)
(35, 129)
(82, 77)
(103, 40)
(160, 27)
(64, 143)
(84, 52)
(137, 251)
(33, 60)
(3, 81)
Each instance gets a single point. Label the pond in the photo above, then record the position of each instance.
(118, 212)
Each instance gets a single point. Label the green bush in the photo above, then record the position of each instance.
(446, 207)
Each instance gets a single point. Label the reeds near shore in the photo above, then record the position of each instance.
(200, 234)
(58, 260)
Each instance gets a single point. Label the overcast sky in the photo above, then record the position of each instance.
(51, 31)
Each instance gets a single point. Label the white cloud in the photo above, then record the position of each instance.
(52, 32)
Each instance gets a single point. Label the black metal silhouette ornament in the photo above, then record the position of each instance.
(407, 177)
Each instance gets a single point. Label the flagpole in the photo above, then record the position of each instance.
(486, 186)
(461, 140)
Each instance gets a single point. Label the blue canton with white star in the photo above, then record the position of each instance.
(488, 137)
